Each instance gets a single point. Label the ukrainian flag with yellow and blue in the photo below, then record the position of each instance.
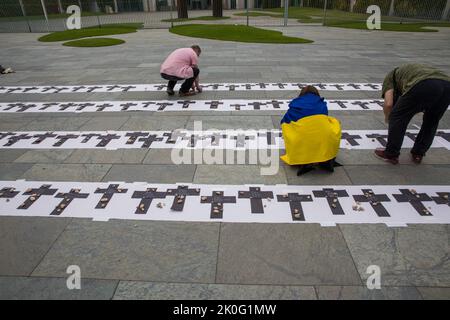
(310, 135)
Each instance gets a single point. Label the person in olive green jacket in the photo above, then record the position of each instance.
(408, 90)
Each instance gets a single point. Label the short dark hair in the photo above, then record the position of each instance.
(309, 89)
(196, 47)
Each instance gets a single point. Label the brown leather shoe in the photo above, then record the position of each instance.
(187, 94)
(417, 159)
(380, 153)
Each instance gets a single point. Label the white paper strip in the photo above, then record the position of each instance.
(178, 105)
(187, 139)
(326, 205)
(207, 87)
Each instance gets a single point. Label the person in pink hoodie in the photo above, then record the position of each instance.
(182, 64)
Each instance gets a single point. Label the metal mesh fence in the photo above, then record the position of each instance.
(50, 15)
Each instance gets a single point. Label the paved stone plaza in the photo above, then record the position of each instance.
(128, 259)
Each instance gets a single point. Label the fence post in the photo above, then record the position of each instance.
(446, 11)
(171, 13)
(392, 8)
(325, 12)
(45, 14)
(25, 14)
(97, 10)
(286, 12)
(246, 10)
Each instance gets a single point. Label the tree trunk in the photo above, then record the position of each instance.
(392, 8)
(182, 7)
(60, 7)
(352, 5)
(217, 8)
(93, 6)
(446, 11)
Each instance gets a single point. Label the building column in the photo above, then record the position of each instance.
(251, 4)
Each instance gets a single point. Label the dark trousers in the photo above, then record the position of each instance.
(187, 84)
(432, 97)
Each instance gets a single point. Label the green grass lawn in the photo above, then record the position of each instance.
(343, 19)
(239, 33)
(259, 14)
(105, 30)
(204, 18)
(94, 42)
(389, 26)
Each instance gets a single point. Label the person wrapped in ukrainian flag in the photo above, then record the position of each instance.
(310, 135)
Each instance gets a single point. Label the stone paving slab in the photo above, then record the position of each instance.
(105, 123)
(14, 125)
(367, 157)
(150, 173)
(400, 174)
(362, 293)
(235, 174)
(67, 123)
(155, 122)
(318, 177)
(66, 172)
(25, 241)
(127, 250)
(36, 288)
(44, 156)
(406, 256)
(284, 254)
(185, 291)
(231, 122)
(435, 293)
(14, 171)
(7, 156)
(120, 156)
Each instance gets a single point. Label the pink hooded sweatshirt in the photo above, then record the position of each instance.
(179, 63)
